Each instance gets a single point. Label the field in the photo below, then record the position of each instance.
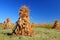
(41, 34)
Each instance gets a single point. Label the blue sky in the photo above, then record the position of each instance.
(41, 11)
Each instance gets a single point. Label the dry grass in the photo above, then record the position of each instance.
(42, 25)
(41, 34)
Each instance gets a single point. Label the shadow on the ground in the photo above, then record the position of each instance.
(9, 34)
